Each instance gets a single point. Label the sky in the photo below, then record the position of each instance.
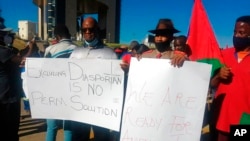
(140, 16)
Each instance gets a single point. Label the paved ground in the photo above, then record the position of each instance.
(34, 129)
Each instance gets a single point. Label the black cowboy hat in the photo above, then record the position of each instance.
(164, 26)
(5, 29)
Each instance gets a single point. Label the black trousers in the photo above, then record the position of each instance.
(9, 121)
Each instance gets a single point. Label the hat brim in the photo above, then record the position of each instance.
(6, 29)
(164, 31)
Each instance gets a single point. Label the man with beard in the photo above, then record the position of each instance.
(232, 98)
(163, 37)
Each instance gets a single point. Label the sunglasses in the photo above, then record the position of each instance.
(91, 30)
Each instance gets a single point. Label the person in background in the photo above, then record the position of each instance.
(93, 48)
(62, 49)
(142, 48)
(231, 105)
(63, 46)
(121, 51)
(180, 45)
(32, 49)
(136, 51)
(134, 45)
(125, 50)
(36, 52)
(10, 86)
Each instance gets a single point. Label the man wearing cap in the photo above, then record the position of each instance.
(10, 88)
(163, 37)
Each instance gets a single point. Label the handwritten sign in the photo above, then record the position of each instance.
(89, 91)
(164, 103)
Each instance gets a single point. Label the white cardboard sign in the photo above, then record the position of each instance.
(89, 91)
(164, 103)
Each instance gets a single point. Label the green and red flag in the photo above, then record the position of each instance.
(202, 40)
(245, 119)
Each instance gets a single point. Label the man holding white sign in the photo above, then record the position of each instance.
(75, 89)
(169, 103)
(93, 48)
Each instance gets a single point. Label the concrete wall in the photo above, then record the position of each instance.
(70, 15)
(112, 20)
(67, 10)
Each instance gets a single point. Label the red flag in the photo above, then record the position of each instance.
(201, 38)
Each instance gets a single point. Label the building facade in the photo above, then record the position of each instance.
(72, 12)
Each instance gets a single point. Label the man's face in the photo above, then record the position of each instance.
(88, 30)
(179, 44)
(162, 42)
(161, 38)
(241, 29)
(241, 38)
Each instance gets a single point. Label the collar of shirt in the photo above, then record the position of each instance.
(241, 55)
(93, 44)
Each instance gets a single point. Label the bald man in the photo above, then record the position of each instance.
(92, 48)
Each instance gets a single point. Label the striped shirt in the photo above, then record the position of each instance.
(60, 50)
